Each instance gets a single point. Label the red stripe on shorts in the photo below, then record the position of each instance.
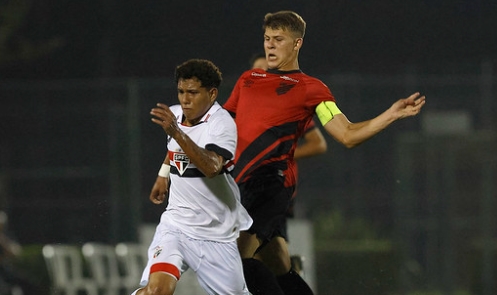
(165, 267)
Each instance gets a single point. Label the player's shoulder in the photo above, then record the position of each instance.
(220, 121)
(312, 80)
(176, 109)
(217, 112)
(315, 85)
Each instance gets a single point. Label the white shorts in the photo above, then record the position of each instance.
(218, 265)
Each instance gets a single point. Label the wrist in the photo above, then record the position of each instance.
(164, 170)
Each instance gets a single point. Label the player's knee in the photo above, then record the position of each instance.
(251, 265)
(153, 289)
(260, 280)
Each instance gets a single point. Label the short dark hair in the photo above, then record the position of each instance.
(285, 20)
(204, 70)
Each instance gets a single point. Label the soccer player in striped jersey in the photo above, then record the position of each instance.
(204, 215)
(271, 109)
(312, 143)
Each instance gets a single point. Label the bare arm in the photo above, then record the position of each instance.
(352, 134)
(159, 192)
(314, 144)
(208, 162)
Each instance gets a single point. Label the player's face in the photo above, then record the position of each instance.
(260, 63)
(195, 100)
(281, 49)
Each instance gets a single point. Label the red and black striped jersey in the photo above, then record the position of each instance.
(272, 110)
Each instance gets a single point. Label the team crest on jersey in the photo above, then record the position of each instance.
(181, 162)
(284, 88)
(157, 251)
(247, 83)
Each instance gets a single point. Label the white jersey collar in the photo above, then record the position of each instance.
(214, 108)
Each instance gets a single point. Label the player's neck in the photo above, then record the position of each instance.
(291, 66)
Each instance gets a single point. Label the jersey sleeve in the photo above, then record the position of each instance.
(231, 104)
(317, 93)
(222, 135)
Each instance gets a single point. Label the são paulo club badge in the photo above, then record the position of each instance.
(181, 161)
(157, 251)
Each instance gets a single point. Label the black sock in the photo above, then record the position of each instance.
(292, 284)
(260, 280)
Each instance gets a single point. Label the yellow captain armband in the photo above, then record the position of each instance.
(326, 110)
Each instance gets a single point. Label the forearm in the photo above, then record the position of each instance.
(305, 151)
(313, 144)
(208, 162)
(353, 134)
(362, 131)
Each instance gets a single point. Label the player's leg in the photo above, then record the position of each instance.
(296, 261)
(260, 280)
(160, 283)
(276, 256)
(220, 270)
(289, 280)
(247, 244)
(165, 263)
(266, 199)
(292, 284)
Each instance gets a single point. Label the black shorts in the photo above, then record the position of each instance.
(267, 200)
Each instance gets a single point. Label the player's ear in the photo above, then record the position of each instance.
(213, 94)
(298, 43)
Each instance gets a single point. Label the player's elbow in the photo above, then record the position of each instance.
(349, 146)
(322, 147)
(212, 171)
(349, 143)
(211, 174)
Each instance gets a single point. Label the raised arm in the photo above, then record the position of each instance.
(208, 162)
(352, 134)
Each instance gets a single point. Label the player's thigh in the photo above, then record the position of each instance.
(275, 256)
(266, 199)
(221, 270)
(165, 256)
(247, 244)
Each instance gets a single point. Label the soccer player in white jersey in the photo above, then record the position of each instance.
(204, 215)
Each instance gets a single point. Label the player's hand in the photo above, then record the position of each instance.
(160, 190)
(163, 117)
(408, 107)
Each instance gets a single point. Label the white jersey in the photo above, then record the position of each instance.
(205, 208)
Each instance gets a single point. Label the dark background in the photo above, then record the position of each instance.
(111, 38)
(78, 153)
(78, 78)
